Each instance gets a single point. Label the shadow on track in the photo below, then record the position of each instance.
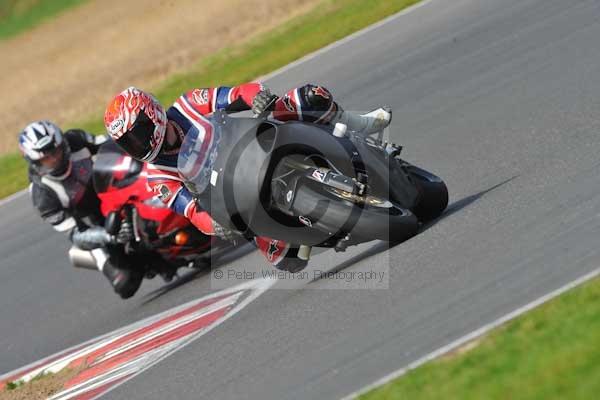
(463, 203)
(380, 247)
(194, 274)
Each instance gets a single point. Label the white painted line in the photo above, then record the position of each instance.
(226, 302)
(106, 339)
(257, 287)
(111, 375)
(43, 364)
(254, 288)
(344, 40)
(12, 197)
(58, 364)
(473, 335)
(66, 395)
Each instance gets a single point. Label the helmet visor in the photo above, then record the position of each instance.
(51, 161)
(137, 142)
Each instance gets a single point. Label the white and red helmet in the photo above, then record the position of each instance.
(137, 122)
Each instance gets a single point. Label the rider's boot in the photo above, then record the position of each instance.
(365, 124)
(125, 282)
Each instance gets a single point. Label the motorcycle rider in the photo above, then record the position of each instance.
(61, 188)
(146, 131)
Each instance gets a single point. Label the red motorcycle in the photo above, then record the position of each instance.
(163, 240)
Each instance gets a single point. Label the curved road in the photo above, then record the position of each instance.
(501, 98)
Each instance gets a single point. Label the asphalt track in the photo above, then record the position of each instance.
(501, 98)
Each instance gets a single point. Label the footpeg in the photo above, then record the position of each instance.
(392, 149)
(342, 244)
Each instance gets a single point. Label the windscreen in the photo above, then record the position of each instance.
(113, 169)
(197, 155)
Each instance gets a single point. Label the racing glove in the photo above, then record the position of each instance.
(263, 101)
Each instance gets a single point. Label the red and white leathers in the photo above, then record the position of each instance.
(308, 103)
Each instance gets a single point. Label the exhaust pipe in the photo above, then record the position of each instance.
(304, 252)
(87, 259)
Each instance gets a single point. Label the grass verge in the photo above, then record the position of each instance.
(17, 16)
(14, 174)
(328, 22)
(552, 352)
(40, 387)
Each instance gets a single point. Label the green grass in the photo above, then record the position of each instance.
(552, 352)
(14, 174)
(17, 16)
(331, 20)
(20, 383)
(328, 22)
(14, 385)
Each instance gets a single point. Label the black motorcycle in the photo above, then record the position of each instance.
(309, 185)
